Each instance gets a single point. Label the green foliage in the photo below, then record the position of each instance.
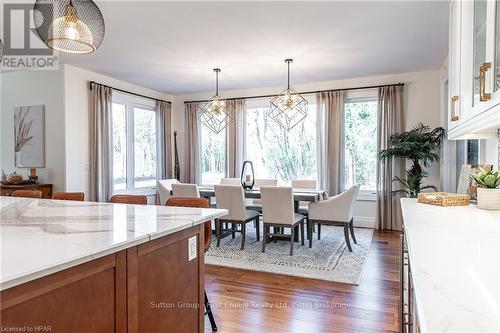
(488, 179)
(420, 145)
(360, 130)
(413, 184)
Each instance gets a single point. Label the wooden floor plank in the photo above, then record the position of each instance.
(249, 301)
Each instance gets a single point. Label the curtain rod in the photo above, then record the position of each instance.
(128, 92)
(303, 93)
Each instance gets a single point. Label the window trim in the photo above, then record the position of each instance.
(130, 103)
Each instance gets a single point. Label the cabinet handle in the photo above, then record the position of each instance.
(483, 96)
(454, 117)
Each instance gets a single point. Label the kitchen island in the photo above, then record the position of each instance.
(97, 267)
(454, 259)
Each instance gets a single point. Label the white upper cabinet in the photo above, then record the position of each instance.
(474, 77)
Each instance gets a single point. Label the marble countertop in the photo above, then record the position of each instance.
(455, 262)
(39, 237)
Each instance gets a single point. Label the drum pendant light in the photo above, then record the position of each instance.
(72, 26)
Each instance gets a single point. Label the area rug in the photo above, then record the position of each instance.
(329, 258)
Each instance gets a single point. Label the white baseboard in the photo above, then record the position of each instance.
(364, 222)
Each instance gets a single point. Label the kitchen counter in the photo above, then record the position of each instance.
(41, 237)
(454, 254)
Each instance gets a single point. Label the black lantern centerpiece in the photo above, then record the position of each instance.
(247, 175)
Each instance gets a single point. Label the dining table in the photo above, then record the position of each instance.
(299, 195)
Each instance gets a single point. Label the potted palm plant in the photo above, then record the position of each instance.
(488, 191)
(420, 146)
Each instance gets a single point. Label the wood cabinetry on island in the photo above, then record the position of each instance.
(119, 275)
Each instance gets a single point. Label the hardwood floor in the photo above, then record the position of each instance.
(248, 301)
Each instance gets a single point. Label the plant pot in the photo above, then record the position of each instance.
(488, 198)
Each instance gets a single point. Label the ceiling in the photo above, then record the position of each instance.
(173, 46)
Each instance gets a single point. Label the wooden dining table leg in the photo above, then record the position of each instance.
(296, 231)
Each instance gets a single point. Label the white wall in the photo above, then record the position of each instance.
(422, 103)
(77, 97)
(33, 88)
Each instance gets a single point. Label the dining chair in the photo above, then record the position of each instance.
(309, 184)
(185, 190)
(334, 211)
(27, 194)
(199, 203)
(256, 204)
(231, 197)
(164, 189)
(72, 196)
(278, 212)
(305, 184)
(129, 199)
(230, 181)
(265, 182)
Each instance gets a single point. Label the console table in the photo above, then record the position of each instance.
(6, 190)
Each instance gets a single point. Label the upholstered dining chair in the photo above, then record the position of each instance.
(164, 189)
(27, 194)
(278, 212)
(231, 197)
(129, 199)
(307, 184)
(185, 190)
(304, 183)
(199, 203)
(256, 204)
(334, 211)
(73, 196)
(230, 181)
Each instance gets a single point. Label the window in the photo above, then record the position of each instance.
(360, 141)
(133, 142)
(213, 156)
(277, 153)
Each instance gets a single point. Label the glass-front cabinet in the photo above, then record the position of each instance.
(454, 64)
(474, 68)
(479, 51)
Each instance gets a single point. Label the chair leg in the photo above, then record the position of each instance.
(351, 228)
(319, 231)
(276, 230)
(264, 238)
(218, 226)
(292, 234)
(233, 230)
(302, 232)
(257, 227)
(346, 236)
(243, 235)
(310, 226)
(210, 314)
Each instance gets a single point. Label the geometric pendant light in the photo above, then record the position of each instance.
(72, 26)
(289, 108)
(215, 114)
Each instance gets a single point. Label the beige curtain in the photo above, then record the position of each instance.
(236, 138)
(101, 162)
(163, 139)
(330, 107)
(193, 174)
(390, 121)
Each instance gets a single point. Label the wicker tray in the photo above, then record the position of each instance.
(444, 199)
